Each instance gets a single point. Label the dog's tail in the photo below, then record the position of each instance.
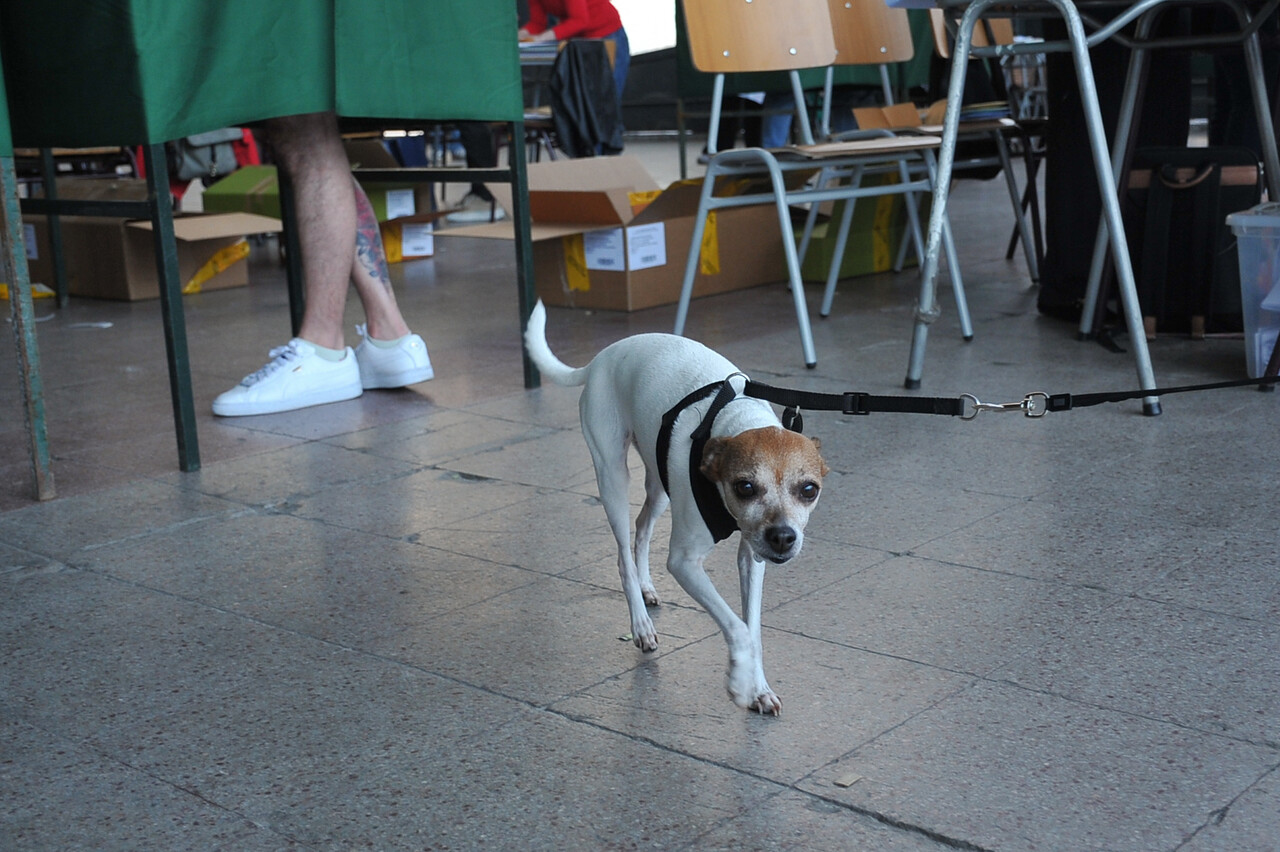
(535, 343)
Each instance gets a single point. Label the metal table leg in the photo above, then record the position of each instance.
(927, 309)
(175, 328)
(20, 309)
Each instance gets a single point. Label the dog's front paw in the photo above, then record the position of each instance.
(650, 596)
(644, 635)
(767, 704)
(750, 691)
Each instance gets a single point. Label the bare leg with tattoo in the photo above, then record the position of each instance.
(341, 246)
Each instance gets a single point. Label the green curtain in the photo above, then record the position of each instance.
(126, 72)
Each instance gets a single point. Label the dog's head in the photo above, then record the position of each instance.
(769, 479)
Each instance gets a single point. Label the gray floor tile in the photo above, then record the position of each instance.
(1248, 822)
(941, 615)
(61, 795)
(1008, 769)
(66, 528)
(552, 532)
(542, 641)
(793, 821)
(326, 582)
(408, 505)
(1191, 668)
(834, 699)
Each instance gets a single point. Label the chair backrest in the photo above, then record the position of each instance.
(1000, 28)
(726, 36)
(870, 32)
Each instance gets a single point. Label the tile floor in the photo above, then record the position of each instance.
(393, 623)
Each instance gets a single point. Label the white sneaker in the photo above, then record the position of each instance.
(295, 377)
(475, 209)
(405, 363)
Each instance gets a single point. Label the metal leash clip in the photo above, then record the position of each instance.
(1034, 404)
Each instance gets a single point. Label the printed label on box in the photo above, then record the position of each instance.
(605, 250)
(400, 203)
(646, 246)
(417, 239)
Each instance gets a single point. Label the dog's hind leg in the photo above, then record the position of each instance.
(613, 479)
(655, 503)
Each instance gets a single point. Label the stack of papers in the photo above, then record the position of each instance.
(987, 110)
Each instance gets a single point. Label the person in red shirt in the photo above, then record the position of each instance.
(581, 19)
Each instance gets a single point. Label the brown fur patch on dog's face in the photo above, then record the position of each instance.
(768, 478)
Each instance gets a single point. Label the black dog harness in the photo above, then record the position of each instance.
(705, 494)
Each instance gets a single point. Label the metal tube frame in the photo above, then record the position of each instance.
(1078, 43)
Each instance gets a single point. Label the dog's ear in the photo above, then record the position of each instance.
(712, 457)
(817, 445)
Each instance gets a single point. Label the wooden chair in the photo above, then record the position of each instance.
(870, 33)
(727, 36)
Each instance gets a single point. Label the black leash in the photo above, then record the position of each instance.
(966, 406)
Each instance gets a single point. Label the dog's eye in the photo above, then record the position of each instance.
(745, 489)
(808, 491)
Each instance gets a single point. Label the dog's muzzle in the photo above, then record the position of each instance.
(781, 540)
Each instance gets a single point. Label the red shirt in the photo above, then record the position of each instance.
(586, 18)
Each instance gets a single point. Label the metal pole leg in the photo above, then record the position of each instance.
(526, 292)
(175, 329)
(927, 305)
(1110, 204)
(1127, 117)
(23, 317)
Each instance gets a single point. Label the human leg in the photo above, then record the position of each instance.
(317, 367)
(477, 142)
(478, 204)
(309, 148)
(389, 355)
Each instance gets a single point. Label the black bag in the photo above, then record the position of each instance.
(1184, 255)
(204, 155)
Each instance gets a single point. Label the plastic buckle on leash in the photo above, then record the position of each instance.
(855, 402)
(1034, 404)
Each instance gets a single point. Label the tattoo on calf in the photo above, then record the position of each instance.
(369, 252)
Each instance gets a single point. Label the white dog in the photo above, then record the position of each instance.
(655, 391)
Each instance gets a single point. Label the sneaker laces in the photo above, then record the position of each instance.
(280, 356)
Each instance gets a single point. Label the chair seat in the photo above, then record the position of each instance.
(865, 147)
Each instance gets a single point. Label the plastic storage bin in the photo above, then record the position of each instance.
(1257, 233)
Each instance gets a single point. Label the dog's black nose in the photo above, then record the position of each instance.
(780, 538)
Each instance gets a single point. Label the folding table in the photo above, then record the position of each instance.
(84, 73)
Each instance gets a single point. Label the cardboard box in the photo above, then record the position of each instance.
(113, 258)
(606, 236)
(35, 237)
(256, 189)
(249, 189)
(409, 237)
(389, 200)
(878, 226)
